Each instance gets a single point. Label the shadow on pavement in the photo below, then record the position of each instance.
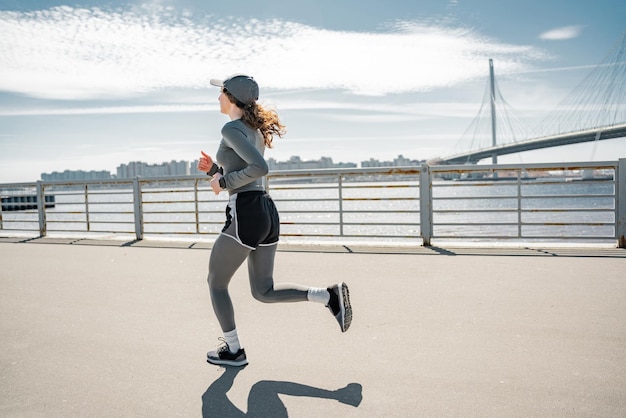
(263, 400)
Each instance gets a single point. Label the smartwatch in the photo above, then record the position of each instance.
(222, 183)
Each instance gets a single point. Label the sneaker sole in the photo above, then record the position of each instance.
(346, 308)
(219, 362)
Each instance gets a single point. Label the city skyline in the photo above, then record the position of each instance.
(84, 85)
(181, 167)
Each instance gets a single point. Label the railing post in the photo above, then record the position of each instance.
(426, 205)
(196, 206)
(620, 189)
(340, 186)
(519, 203)
(41, 208)
(138, 209)
(87, 207)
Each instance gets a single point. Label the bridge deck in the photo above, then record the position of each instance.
(589, 135)
(103, 328)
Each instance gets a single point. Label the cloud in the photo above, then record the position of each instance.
(77, 53)
(563, 33)
(111, 110)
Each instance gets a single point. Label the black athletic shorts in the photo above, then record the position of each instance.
(252, 219)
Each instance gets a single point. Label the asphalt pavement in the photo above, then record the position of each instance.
(121, 329)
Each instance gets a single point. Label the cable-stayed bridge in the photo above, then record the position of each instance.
(594, 134)
(594, 111)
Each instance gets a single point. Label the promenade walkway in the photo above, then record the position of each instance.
(111, 329)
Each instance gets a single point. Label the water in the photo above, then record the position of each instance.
(549, 209)
(383, 211)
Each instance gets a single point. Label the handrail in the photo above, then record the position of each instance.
(518, 202)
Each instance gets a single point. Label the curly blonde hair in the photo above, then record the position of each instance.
(258, 117)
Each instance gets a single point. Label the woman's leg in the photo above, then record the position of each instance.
(261, 269)
(261, 272)
(227, 255)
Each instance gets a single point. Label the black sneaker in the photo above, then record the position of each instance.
(223, 357)
(339, 305)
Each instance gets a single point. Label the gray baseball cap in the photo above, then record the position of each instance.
(242, 87)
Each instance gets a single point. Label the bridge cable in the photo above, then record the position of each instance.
(599, 100)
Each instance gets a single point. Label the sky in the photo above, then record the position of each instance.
(90, 85)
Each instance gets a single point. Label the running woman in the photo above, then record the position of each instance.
(252, 224)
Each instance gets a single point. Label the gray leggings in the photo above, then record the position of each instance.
(227, 256)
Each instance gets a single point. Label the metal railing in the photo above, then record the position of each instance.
(572, 202)
(547, 202)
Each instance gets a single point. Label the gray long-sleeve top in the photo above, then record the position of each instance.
(240, 154)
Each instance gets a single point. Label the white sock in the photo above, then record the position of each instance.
(232, 340)
(318, 294)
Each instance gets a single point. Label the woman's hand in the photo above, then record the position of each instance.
(215, 183)
(205, 163)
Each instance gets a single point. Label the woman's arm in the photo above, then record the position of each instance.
(246, 150)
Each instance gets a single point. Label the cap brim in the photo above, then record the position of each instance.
(217, 83)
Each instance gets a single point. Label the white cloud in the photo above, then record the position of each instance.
(563, 33)
(358, 110)
(111, 110)
(72, 53)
